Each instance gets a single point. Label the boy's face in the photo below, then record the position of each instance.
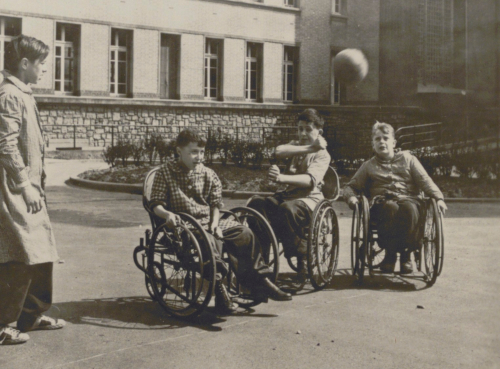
(191, 155)
(308, 133)
(34, 71)
(383, 144)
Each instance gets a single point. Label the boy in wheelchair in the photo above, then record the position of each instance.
(186, 185)
(290, 211)
(393, 181)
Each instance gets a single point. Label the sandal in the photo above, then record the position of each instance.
(46, 323)
(11, 336)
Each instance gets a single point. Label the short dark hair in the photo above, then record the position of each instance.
(24, 47)
(312, 116)
(190, 135)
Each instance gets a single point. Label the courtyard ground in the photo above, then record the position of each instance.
(112, 323)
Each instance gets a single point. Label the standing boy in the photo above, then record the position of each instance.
(27, 245)
(188, 186)
(290, 211)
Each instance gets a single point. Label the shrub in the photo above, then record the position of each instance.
(212, 147)
(255, 154)
(239, 153)
(137, 150)
(224, 146)
(151, 144)
(110, 156)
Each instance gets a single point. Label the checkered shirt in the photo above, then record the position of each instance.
(194, 192)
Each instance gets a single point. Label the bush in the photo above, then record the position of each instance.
(137, 150)
(151, 144)
(239, 153)
(255, 154)
(110, 156)
(224, 146)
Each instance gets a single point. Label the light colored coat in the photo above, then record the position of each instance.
(24, 237)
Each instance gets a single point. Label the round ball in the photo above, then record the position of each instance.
(350, 66)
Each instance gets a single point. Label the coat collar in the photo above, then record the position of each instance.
(17, 82)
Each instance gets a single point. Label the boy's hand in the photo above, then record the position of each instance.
(352, 202)
(216, 231)
(442, 206)
(32, 198)
(172, 220)
(319, 144)
(274, 173)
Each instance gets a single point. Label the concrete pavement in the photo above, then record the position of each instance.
(112, 322)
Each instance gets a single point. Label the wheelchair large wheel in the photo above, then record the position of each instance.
(159, 276)
(181, 269)
(262, 229)
(269, 250)
(323, 245)
(359, 237)
(432, 246)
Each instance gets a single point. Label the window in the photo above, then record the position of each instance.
(291, 3)
(335, 87)
(213, 61)
(290, 57)
(66, 51)
(253, 71)
(121, 41)
(9, 28)
(336, 6)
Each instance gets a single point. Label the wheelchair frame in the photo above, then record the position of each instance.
(323, 243)
(429, 254)
(180, 268)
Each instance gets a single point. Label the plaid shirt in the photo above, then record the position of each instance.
(194, 192)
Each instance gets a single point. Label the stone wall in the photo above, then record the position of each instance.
(347, 128)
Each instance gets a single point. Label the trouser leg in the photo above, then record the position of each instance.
(295, 218)
(26, 292)
(14, 285)
(384, 215)
(39, 296)
(406, 223)
(244, 254)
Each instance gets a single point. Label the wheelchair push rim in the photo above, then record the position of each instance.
(359, 238)
(432, 243)
(186, 280)
(323, 245)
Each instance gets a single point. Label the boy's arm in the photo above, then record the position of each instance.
(215, 202)
(426, 184)
(355, 186)
(158, 202)
(287, 150)
(314, 174)
(214, 222)
(10, 156)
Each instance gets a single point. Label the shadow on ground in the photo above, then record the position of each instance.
(138, 313)
(344, 280)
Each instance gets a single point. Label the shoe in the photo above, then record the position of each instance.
(11, 336)
(387, 265)
(45, 323)
(223, 303)
(302, 272)
(269, 289)
(405, 264)
(406, 268)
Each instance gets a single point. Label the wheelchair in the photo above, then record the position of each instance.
(179, 265)
(367, 253)
(322, 236)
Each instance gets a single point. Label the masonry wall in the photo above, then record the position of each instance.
(348, 129)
